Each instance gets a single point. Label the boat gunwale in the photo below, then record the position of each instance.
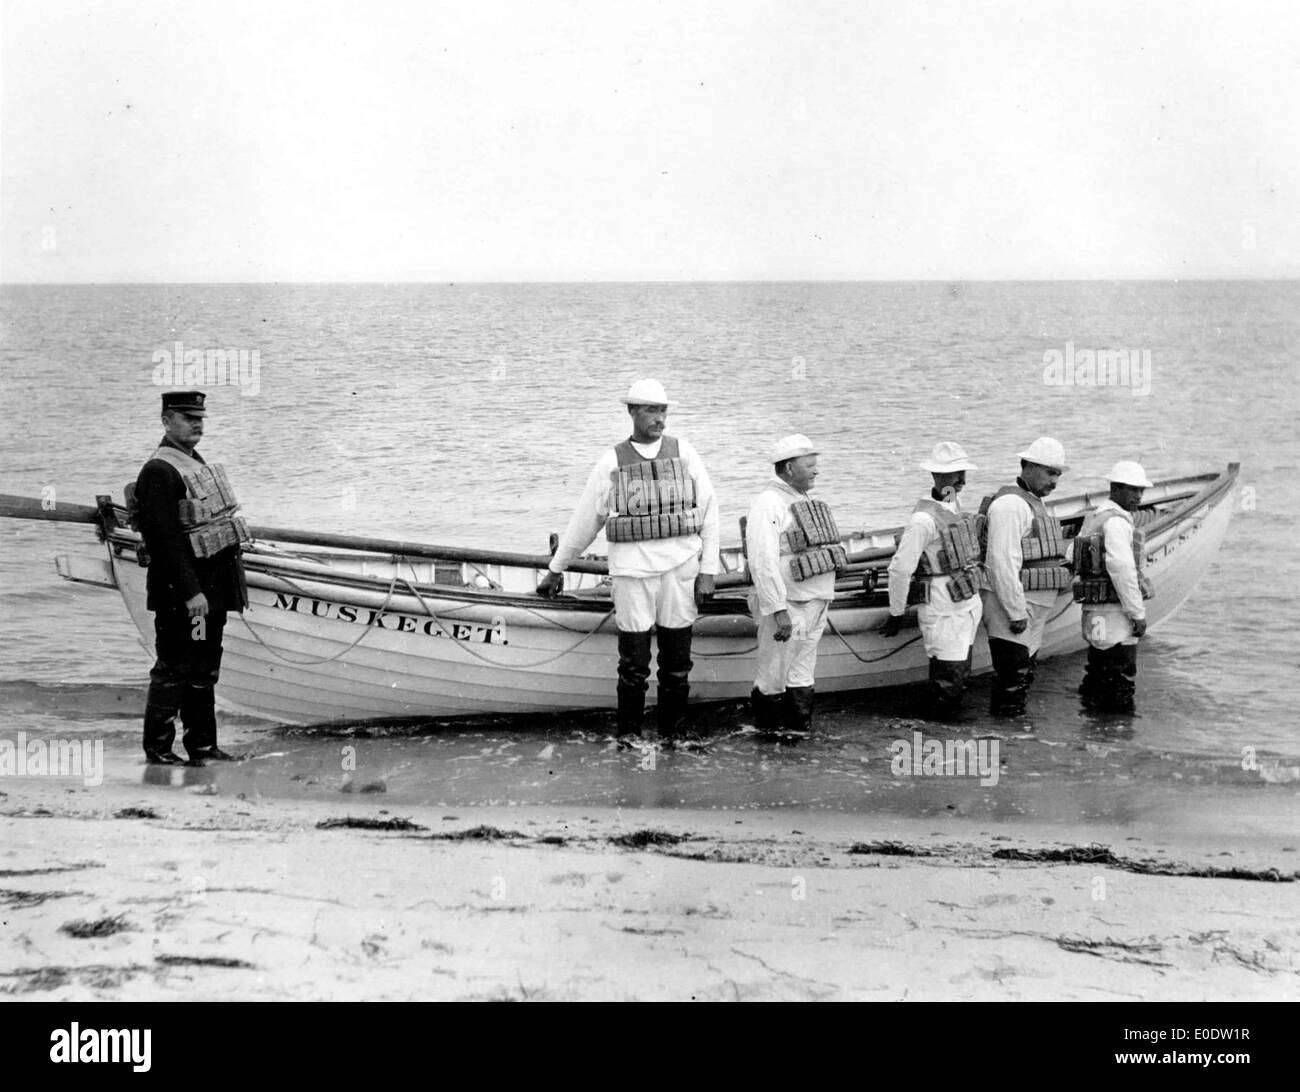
(729, 601)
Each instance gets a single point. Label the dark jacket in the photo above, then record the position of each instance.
(175, 574)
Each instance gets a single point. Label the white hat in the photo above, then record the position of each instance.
(791, 447)
(646, 392)
(1127, 472)
(1045, 452)
(946, 458)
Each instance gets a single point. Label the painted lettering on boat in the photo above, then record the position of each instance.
(400, 623)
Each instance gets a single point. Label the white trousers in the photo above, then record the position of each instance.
(998, 624)
(949, 630)
(666, 599)
(1106, 625)
(792, 662)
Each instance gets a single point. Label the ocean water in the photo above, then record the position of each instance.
(471, 414)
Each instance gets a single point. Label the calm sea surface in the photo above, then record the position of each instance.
(471, 414)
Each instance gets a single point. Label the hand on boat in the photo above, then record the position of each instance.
(1019, 625)
(198, 606)
(550, 585)
(783, 626)
(892, 626)
(703, 588)
(1139, 626)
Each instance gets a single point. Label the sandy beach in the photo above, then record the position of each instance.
(140, 893)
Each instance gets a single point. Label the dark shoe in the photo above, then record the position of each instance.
(210, 754)
(163, 758)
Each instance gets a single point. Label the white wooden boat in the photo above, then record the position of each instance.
(345, 629)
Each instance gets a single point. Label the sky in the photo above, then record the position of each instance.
(235, 141)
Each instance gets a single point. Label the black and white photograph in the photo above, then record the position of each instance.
(570, 501)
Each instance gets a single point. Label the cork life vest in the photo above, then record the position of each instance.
(207, 511)
(1043, 566)
(1093, 584)
(957, 557)
(653, 498)
(813, 540)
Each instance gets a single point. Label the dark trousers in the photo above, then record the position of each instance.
(1110, 678)
(182, 681)
(634, 675)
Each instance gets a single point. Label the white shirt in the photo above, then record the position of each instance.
(1010, 520)
(769, 568)
(653, 556)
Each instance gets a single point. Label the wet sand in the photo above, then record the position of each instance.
(135, 892)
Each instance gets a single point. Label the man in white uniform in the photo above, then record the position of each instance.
(793, 549)
(1111, 587)
(1025, 564)
(654, 499)
(937, 562)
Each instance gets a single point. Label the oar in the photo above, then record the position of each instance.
(31, 508)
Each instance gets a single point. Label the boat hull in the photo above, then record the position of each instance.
(316, 646)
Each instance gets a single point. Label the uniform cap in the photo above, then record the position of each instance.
(791, 447)
(1045, 452)
(946, 458)
(646, 392)
(1127, 472)
(190, 402)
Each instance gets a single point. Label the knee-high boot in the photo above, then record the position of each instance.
(767, 711)
(633, 679)
(798, 711)
(1013, 672)
(947, 683)
(199, 716)
(674, 679)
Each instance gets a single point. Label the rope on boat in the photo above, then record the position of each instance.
(830, 622)
(500, 663)
(327, 659)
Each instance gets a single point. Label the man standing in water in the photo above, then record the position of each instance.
(793, 548)
(936, 566)
(185, 511)
(1108, 559)
(1024, 559)
(654, 499)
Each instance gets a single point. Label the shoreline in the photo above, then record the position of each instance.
(219, 897)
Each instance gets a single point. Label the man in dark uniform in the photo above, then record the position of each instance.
(185, 512)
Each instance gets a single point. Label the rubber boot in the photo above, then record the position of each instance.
(947, 683)
(160, 735)
(767, 711)
(1109, 684)
(633, 679)
(1093, 688)
(199, 715)
(674, 680)
(798, 709)
(1125, 678)
(1013, 671)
